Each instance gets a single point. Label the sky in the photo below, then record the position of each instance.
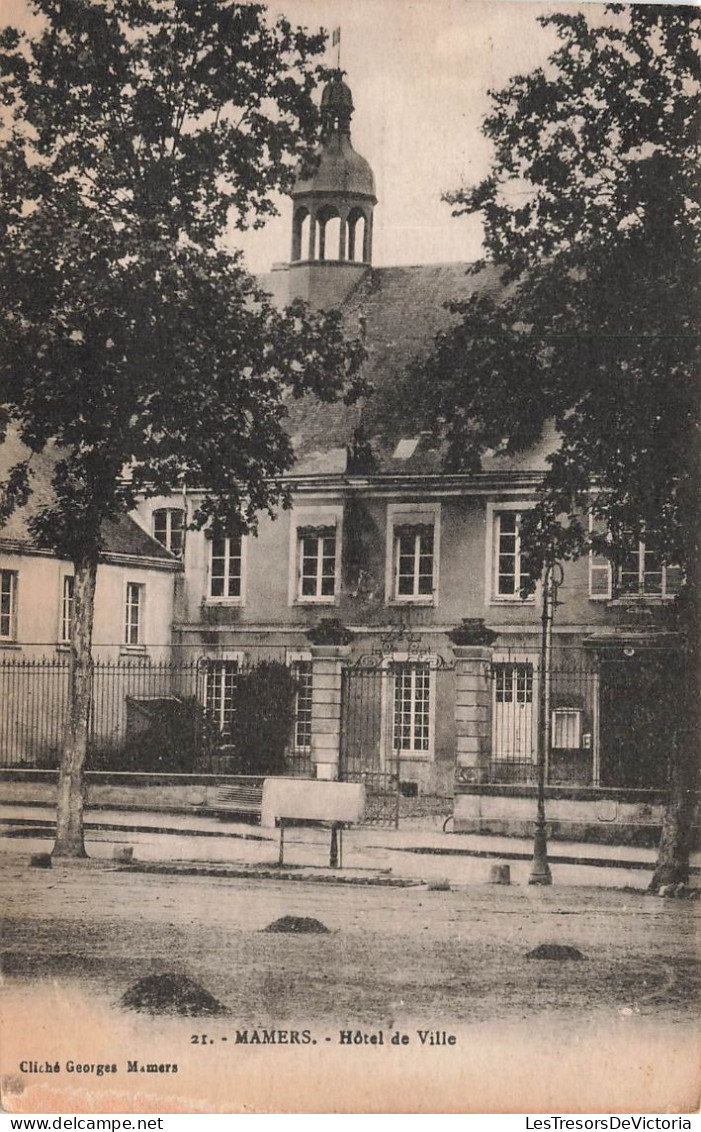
(420, 72)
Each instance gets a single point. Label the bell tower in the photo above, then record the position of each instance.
(332, 209)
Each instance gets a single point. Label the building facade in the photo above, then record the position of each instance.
(393, 588)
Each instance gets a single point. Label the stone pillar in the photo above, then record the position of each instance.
(473, 711)
(327, 665)
(342, 234)
(311, 250)
(367, 238)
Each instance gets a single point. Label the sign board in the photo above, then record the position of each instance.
(311, 800)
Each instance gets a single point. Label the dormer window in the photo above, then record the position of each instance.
(406, 447)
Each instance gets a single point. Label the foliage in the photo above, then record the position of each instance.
(263, 711)
(590, 213)
(169, 744)
(329, 631)
(133, 345)
(135, 133)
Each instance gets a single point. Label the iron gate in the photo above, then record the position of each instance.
(369, 752)
(388, 719)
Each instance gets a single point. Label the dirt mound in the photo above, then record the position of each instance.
(554, 951)
(40, 861)
(297, 924)
(171, 994)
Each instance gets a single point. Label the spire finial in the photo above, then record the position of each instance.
(336, 106)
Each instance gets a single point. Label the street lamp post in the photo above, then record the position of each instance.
(552, 580)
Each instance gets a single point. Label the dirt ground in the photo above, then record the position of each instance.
(617, 1027)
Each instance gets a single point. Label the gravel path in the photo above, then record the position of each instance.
(396, 960)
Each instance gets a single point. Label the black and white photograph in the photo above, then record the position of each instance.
(349, 522)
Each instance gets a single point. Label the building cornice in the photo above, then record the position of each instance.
(107, 558)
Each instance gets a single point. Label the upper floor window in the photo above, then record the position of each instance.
(509, 573)
(412, 553)
(67, 607)
(134, 614)
(316, 563)
(226, 568)
(413, 560)
(169, 528)
(8, 605)
(641, 573)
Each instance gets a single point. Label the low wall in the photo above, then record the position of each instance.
(614, 817)
(172, 793)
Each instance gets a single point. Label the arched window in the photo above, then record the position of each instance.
(300, 234)
(328, 240)
(356, 235)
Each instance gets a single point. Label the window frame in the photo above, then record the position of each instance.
(392, 665)
(13, 591)
(295, 657)
(219, 663)
(494, 514)
(641, 593)
(130, 588)
(402, 515)
(319, 517)
(169, 512)
(318, 597)
(571, 718)
(67, 608)
(601, 566)
(225, 598)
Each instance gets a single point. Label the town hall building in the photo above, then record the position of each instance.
(392, 588)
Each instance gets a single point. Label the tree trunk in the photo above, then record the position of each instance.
(677, 824)
(69, 812)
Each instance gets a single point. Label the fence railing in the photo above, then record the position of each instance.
(613, 718)
(158, 716)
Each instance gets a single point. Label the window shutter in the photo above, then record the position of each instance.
(673, 580)
(599, 576)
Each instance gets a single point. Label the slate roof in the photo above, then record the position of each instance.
(403, 308)
(120, 536)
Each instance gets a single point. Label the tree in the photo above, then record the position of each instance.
(133, 346)
(591, 218)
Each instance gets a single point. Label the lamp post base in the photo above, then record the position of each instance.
(540, 869)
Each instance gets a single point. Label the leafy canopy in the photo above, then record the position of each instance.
(136, 134)
(591, 213)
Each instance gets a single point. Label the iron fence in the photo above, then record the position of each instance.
(614, 715)
(185, 717)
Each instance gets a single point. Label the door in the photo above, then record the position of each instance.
(513, 715)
